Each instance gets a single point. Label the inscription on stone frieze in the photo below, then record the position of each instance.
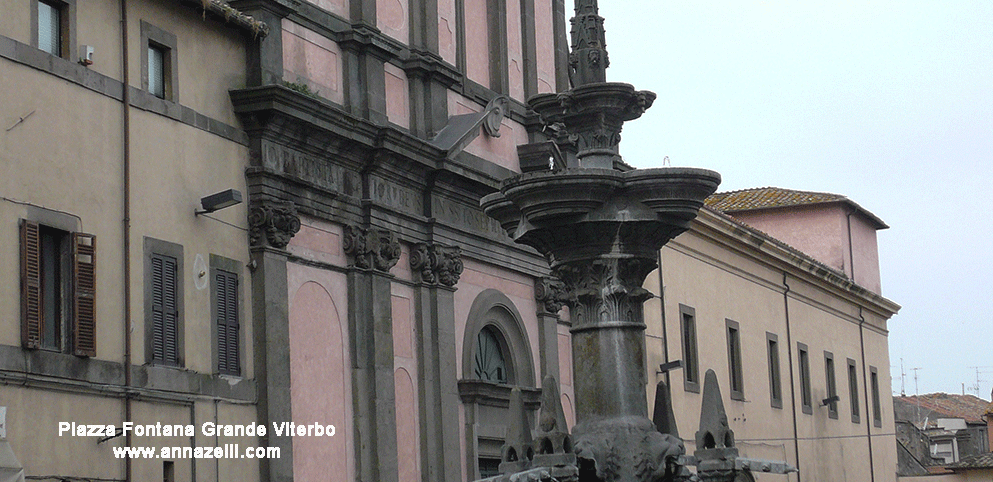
(395, 196)
(321, 172)
(459, 215)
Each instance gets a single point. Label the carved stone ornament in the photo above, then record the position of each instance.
(437, 263)
(273, 223)
(549, 292)
(605, 290)
(374, 249)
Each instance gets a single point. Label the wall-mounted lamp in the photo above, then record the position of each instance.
(829, 400)
(667, 367)
(219, 201)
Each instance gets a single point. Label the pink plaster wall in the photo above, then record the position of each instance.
(337, 7)
(498, 150)
(866, 254)
(477, 43)
(318, 241)
(319, 385)
(546, 46)
(446, 31)
(408, 437)
(313, 60)
(821, 231)
(391, 18)
(515, 55)
(397, 95)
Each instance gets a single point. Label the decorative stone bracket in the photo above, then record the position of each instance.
(436, 263)
(272, 223)
(549, 292)
(462, 129)
(374, 249)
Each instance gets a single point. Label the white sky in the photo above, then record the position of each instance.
(887, 102)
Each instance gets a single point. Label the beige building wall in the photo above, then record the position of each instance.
(724, 271)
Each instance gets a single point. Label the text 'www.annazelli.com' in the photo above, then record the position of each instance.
(226, 451)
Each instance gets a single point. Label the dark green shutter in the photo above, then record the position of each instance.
(165, 311)
(226, 286)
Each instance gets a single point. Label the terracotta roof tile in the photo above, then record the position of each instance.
(775, 197)
(979, 461)
(946, 405)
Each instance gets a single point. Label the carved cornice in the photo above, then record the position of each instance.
(272, 223)
(374, 249)
(436, 263)
(549, 292)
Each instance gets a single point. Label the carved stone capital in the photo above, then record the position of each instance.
(436, 263)
(605, 290)
(272, 223)
(374, 249)
(549, 292)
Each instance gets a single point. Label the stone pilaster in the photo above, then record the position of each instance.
(436, 270)
(272, 225)
(371, 253)
(548, 293)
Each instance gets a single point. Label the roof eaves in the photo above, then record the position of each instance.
(225, 13)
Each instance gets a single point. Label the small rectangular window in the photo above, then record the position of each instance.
(50, 28)
(775, 383)
(226, 322)
(156, 71)
(734, 360)
(58, 289)
(805, 395)
(832, 387)
(159, 62)
(691, 364)
(853, 390)
(877, 411)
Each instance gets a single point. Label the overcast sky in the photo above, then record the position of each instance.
(887, 102)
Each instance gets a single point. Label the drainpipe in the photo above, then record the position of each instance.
(789, 355)
(665, 335)
(865, 387)
(126, 225)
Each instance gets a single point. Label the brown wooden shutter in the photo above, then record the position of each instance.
(84, 294)
(227, 323)
(31, 305)
(165, 310)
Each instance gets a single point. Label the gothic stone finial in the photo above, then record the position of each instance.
(553, 445)
(272, 223)
(437, 263)
(517, 452)
(588, 60)
(374, 249)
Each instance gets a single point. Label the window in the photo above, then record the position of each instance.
(734, 360)
(159, 64)
(805, 396)
(52, 24)
(58, 289)
(163, 303)
(853, 390)
(225, 309)
(691, 364)
(775, 383)
(832, 387)
(877, 411)
(490, 363)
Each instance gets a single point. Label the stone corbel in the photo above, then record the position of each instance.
(273, 223)
(549, 292)
(436, 263)
(462, 129)
(374, 249)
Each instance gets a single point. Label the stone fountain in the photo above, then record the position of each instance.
(600, 224)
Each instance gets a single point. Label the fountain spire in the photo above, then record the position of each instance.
(588, 60)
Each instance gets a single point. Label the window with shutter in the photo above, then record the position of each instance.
(58, 289)
(165, 312)
(226, 309)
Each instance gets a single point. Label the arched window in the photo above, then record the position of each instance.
(490, 362)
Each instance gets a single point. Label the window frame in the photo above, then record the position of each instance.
(853, 390)
(689, 346)
(775, 370)
(152, 248)
(75, 330)
(155, 37)
(67, 26)
(830, 383)
(736, 376)
(220, 266)
(877, 407)
(803, 365)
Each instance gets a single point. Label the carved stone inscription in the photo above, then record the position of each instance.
(397, 197)
(467, 217)
(313, 169)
